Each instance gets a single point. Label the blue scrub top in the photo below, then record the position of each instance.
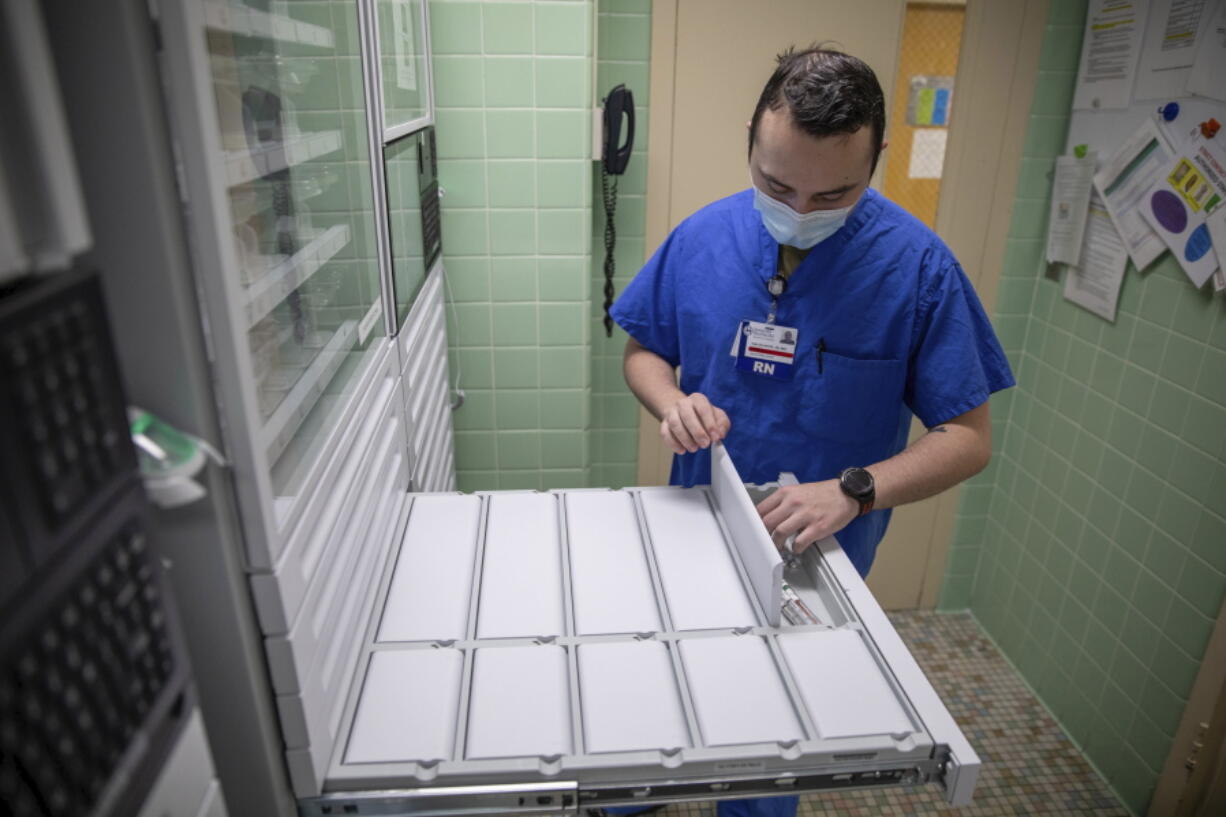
(903, 332)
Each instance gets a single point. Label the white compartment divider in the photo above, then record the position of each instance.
(689, 709)
(738, 695)
(460, 744)
(611, 583)
(520, 703)
(408, 707)
(792, 684)
(653, 567)
(759, 556)
(568, 591)
(474, 601)
(428, 599)
(842, 686)
(521, 577)
(700, 579)
(576, 696)
(630, 697)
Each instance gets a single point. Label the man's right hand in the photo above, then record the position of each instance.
(692, 423)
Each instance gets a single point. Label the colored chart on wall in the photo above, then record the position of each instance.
(1177, 204)
(930, 101)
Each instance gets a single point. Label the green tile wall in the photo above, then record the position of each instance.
(513, 91)
(623, 52)
(1093, 549)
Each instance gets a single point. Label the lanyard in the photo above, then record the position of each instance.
(776, 285)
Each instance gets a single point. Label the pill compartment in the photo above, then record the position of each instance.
(630, 698)
(739, 695)
(520, 703)
(702, 588)
(409, 706)
(843, 689)
(521, 571)
(431, 588)
(610, 576)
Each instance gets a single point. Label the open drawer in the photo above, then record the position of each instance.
(542, 653)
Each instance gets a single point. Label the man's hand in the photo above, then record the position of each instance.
(688, 422)
(691, 423)
(812, 511)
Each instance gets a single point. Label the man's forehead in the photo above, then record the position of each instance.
(804, 160)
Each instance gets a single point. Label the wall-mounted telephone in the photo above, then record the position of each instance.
(615, 156)
(618, 104)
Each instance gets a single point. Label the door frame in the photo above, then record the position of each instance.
(998, 71)
(1192, 782)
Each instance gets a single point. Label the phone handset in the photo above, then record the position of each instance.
(618, 104)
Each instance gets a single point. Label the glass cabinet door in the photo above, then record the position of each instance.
(402, 50)
(287, 81)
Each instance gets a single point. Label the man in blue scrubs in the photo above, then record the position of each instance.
(810, 318)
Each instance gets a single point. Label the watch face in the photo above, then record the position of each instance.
(858, 481)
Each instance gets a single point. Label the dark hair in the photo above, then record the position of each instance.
(828, 92)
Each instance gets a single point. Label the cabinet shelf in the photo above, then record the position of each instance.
(279, 431)
(249, 165)
(287, 75)
(273, 287)
(251, 22)
(250, 198)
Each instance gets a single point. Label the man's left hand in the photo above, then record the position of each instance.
(812, 510)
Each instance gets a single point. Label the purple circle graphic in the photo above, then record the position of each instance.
(1168, 209)
(1198, 244)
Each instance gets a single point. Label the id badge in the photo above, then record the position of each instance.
(766, 349)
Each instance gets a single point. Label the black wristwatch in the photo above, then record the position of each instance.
(858, 484)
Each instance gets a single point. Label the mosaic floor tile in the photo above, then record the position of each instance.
(1030, 767)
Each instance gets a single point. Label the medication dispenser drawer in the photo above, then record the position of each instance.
(543, 653)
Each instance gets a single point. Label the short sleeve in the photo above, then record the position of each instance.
(956, 360)
(647, 309)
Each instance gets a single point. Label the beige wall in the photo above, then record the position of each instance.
(725, 52)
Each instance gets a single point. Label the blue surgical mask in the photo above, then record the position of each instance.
(795, 229)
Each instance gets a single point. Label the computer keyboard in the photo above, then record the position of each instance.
(64, 415)
(79, 686)
(93, 684)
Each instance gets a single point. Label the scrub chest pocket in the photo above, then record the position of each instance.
(848, 399)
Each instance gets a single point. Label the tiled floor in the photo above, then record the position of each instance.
(1029, 766)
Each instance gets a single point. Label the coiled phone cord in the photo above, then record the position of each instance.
(609, 191)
